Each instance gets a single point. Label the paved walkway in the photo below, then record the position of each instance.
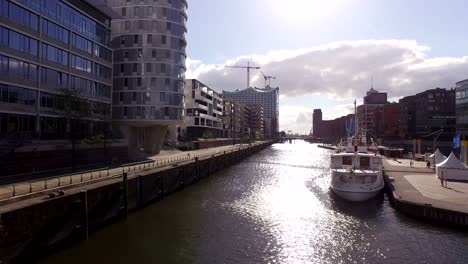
(419, 185)
(24, 188)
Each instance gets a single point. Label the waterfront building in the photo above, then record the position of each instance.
(316, 122)
(331, 131)
(53, 52)
(232, 118)
(204, 107)
(461, 102)
(428, 112)
(149, 44)
(371, 114)
(391, 117)
(268, 98)
(256, 124)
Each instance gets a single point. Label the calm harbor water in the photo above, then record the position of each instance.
(274, 207)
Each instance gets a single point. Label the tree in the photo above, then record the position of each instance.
(258, 135)
(74, 109)
(207, 134)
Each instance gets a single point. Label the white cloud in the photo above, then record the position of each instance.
(341, 71)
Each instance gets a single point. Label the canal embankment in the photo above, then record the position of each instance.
(39, 224)
(415, 191)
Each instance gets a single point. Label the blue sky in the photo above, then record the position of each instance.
(430, 34)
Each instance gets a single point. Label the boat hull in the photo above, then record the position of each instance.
(356, 196)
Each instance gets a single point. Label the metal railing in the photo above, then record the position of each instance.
(68, 180)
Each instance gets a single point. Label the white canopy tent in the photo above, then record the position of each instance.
(452, 169)
(437, 158)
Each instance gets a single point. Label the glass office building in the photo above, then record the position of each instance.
(48, 47)
(461, 109)
(149, 42)
(268, 98)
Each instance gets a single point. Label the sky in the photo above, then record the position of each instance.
(325, 53)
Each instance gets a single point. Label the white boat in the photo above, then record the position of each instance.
(356, 174)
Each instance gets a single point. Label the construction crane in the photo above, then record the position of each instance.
(248, 67)
(267, 78)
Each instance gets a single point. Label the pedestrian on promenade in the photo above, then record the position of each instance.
(428, 164)
(442, 180)
(411, 163)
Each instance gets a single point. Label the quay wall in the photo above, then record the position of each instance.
(425, 211)
(30, 229)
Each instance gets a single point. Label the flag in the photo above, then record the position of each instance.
(456, 141)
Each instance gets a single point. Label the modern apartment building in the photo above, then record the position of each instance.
(461, 104)
(149, 44)
(233, 114)
(257, 120)
(268, 98)
(428, 112)
(204, 108)
(47, 49)
(371, 113)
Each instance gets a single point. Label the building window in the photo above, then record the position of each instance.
(54, 54)
(124, 11)
(163, 39)
(54, 31)
(149, 39)
(17, 41)
(81, 43)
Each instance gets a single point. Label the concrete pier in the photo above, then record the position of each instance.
(416, 191)
(36, 225)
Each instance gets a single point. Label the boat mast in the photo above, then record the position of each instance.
(356, 119)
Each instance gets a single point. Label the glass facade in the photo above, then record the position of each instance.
(149, 59)
(74, 53)
(461, 104)
(267, 98)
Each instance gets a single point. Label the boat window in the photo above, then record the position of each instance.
(364, 162)
(347, 160)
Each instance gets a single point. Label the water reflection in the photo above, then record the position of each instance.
(274, 207)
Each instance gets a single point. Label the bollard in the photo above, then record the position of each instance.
(107, 173)
(14, 190)
(99, 174)
(84, 214)
(30, 187)
(59, 181)
(81, 177)
(71, 180)
(125, 194)
(91, 175)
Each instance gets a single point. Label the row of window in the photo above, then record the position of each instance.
(82, 64)
(55, 31)
(153, 83)
(82, 43)
(90, 88)
(18, 68)
(65, 15)
(57, 102)
(151, 26)
(18, 14)
(18, 41)
(17, 95)
(54, 54)
(103, 53)
(173, 99)
(154, 12)
(147, 112)
(54, 78)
